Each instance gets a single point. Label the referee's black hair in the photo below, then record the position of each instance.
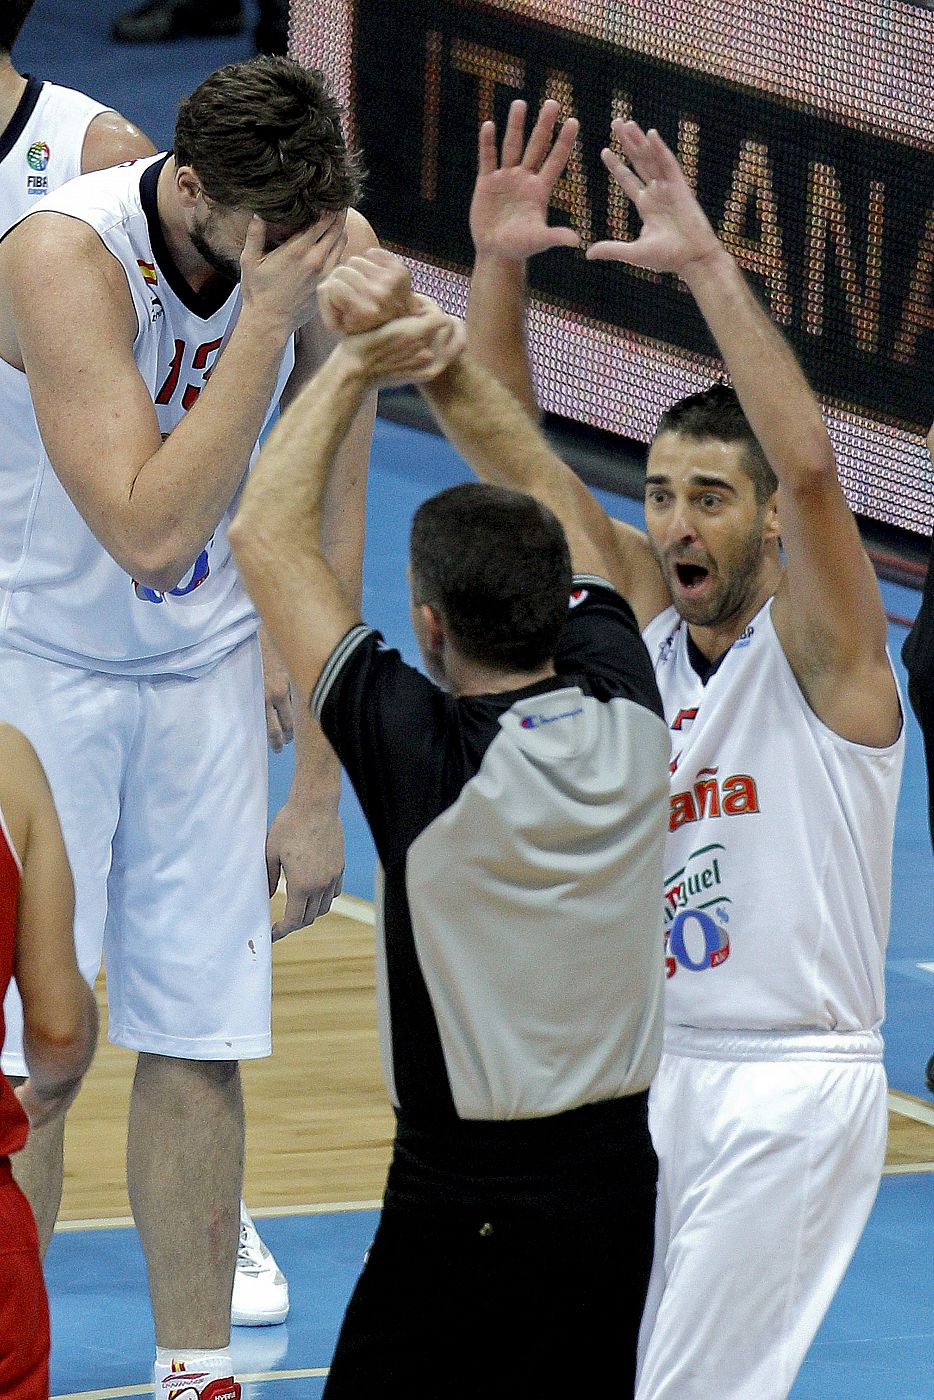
(496, 565)
(13, 15)
(717, 413)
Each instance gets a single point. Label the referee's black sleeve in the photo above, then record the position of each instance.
(385, 722)
(601, 641)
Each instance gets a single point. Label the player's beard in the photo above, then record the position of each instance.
(738, 583)
(222, 263)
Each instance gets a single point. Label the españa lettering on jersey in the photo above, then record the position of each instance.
(778, 855)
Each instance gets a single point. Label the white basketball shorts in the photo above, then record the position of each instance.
(768, 1170)
(160, 785)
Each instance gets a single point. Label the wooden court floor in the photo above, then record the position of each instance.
(318, 1122)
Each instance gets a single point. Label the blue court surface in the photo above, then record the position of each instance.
(875, 1344)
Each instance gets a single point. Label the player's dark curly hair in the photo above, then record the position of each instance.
(716, 413)
(13, 15)
(266, 136)
(495, 563)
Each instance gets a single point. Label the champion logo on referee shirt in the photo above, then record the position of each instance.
(535, 721)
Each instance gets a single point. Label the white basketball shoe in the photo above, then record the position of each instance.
(260, 1291)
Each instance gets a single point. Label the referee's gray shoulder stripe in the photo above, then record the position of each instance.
(593, 581)
(345, 647)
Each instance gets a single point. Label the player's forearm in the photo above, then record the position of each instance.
(496, 325)
(276, 533)
(778, 401)
(181, 493)
(317, 778)
(58, 1052)
(316, 781)
(489, 428)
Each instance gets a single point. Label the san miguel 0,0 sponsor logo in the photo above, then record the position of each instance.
(696, 913)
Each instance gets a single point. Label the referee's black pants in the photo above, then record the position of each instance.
(451, 1305)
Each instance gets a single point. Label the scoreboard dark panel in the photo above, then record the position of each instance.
(806, 129)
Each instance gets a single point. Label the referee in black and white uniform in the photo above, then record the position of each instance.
(518, 809)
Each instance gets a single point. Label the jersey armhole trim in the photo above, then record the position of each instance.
(5, 833)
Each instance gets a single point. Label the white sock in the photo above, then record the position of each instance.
(185, 1372)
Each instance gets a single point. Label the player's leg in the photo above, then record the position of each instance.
(184, 1168)
(79, 724)
(663, 1116)
(188, 956)
(40, 1173)
(771, 1170)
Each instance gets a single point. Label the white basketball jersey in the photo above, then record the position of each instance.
(61, 594)
(779, 854)
(41, 146)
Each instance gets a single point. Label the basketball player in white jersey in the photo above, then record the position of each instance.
(187, 284)
(48, 135)
(764, 620)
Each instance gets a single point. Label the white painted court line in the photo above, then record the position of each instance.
(910, 1108)
(909, 1169)
(926, 967)
(121, 1390)
(122, 1222)
(360, 910)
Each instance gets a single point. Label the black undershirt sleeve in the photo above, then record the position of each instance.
(386, 723)
(601, 641)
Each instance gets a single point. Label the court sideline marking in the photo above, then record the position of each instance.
(123, 1222)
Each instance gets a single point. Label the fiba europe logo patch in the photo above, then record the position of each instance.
(38, 156)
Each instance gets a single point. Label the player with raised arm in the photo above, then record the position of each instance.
(765, 624)
(188, 285)
(60, 1032)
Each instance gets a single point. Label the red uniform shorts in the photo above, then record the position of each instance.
(24, 1308)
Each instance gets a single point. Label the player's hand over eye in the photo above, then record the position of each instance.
(365, 292)
(282, 285)
(676, 235)
(509, 210)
